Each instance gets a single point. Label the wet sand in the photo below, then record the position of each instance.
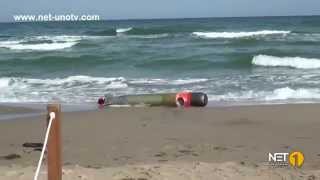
(14, 110)
(234, 139)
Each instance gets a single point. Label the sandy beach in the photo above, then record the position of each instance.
(168, 143)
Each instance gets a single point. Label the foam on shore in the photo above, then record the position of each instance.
(230, 35)
(293, 62)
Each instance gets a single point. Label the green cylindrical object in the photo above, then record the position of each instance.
(168, 99)
(184, 99)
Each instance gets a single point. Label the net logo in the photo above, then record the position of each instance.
(294, 159)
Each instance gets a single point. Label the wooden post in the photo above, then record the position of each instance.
(54, 144)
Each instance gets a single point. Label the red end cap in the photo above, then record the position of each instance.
(183, 99)
(101, 101)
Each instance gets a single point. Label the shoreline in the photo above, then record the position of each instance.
(10, 111)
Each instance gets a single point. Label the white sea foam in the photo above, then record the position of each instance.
(88, 89)
(187, 81)
(70, 80)
(83, 88)
(56, 43)
(123, 30)
(117, 85)
(231, 35)
(40, 47)
(9, 42)
(62, 38)
(151, 36)
(288, 93)
(294, 62)
(279, 94)
(112, 82)
(4, 82)
(168, 81)
(69, 89)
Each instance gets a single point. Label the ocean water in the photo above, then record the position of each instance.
(233, 60)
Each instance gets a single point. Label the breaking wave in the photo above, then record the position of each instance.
(138, 31)
(77, 89)
(123, 30)
(279, 94)
(168, 82)
(151, 36)
(230, 35)
(40, 47)
(42, 43)
(293, 62)
(82, 88)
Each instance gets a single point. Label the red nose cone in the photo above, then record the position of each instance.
(101, 101)
(183, 99)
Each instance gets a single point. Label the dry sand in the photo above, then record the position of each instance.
(165, 171)
(164, 143)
